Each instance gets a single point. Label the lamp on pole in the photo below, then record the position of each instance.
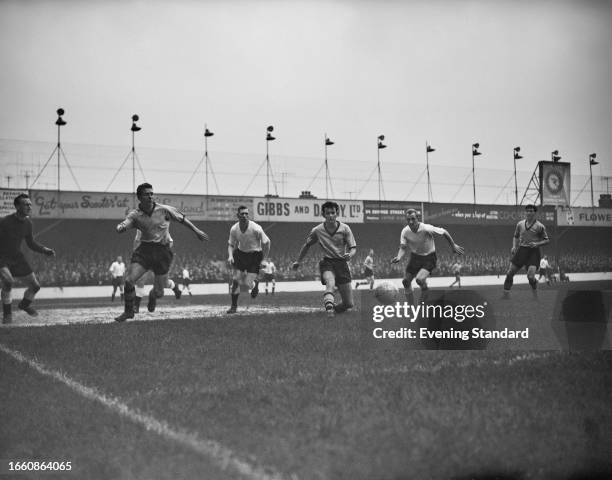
(207, 133)
(428, 150)
(60, 122)
(381, 145)
(475, 153)
(591, 163)
(269, 138)
(135, 128)
(554, 155)
(516, 157)
(328, 143)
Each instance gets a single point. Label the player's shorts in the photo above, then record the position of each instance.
(117, 281)
(368, 272)
(17, 264)
(247, 261)
(417, 262)
(186, 281)
(339, 267)
(153, 256)
(526, 257)
(268, 277)
(457, 276)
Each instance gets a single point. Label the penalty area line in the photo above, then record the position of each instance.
(221, 456)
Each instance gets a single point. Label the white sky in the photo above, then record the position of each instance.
(535, 74)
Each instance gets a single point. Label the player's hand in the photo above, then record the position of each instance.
(347, 256)
(201, 235)
(230, 260)
(49, 252)
(395, 260)
(532, 245)
(458, 249)
(121, 228)
(295, 265)
(512, 250)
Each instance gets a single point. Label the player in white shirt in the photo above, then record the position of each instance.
(545, 270)
(456, 268)
(117, 270)
(269, 270)
(338, 244)
(368, 271)
(186, 280)
(248, 244)
(418, 239)
(154, 252)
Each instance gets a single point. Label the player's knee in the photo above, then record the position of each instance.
(129, 287)
(407, 284)
(7, 285)
(421, 282)
(35, 287)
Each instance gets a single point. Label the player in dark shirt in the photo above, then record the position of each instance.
(14, 229)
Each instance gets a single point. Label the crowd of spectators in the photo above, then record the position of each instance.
(85, 252)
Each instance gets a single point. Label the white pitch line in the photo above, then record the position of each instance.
(221, 456)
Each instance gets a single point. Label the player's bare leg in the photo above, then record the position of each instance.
(509, 279)
(408, 292)
(421, 280)
(28, 296)
(252, 283)
(346, 294)
(237, 280)
(328, 297)
(135, 271)
(159, 283)
(7, 286)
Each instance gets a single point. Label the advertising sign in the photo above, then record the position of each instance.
(467, 214)
(584, 217)
(6, 201)
(388, 212)
(303, 210)
(99, 205)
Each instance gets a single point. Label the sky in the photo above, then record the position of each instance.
(534, 74)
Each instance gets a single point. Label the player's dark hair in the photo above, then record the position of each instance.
(19, 197)
(531, 207)
(141, 187)
(242, 207)
(410, 211)
(333, 205)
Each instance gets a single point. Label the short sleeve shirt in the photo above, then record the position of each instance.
(251, 240)
(420, 242)
(334, 243)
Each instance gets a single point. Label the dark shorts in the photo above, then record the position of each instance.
(247, 261)
(117, 281)
(368, 272)
(186, 281)
(17, 264)
(417, 262)
(339, 267)
(153, 256)
(526, 257)
(268, 277)
(457, 276)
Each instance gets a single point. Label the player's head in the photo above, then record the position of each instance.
(119, 259)
(243, 213)
(144, 192)
(412, 216)
(330, 210)
(23, 204)
(530, 211)
(371, 252)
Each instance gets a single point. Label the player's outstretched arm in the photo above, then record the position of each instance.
(458, 249)
(37, 247)
(230, 254)
(400, 254)
(202, 236)
(303, 252)
(350, 254)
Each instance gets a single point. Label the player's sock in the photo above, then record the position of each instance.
(255, 289)
(508, 282)
(273, 287)
(234, 300)
(7, 309)
(137, 304)
(328, 301)
(130, 294)
(533, 283)
(234, 287)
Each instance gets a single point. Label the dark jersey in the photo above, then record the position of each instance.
(13, 231)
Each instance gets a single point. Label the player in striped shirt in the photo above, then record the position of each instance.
(247, 246)
(154, 252)
(529, 236)
(338, 244)
(418, 238)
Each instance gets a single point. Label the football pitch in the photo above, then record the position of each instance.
(279, 391)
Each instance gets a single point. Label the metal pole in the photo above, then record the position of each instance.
(591, 172)
(133, 173)
(267, 172)
(326, 170)
(206, 160)
(429, 195)
(515, 184)
(473, 178)
(58, 162)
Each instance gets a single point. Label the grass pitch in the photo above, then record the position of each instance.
(280, 391)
